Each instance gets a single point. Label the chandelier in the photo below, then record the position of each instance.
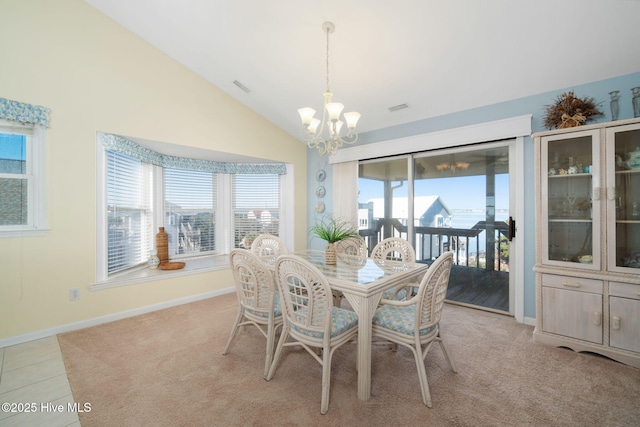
(328, 142)
(452, 165)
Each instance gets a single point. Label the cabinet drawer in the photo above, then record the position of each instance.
(573, 283)
(624, 290)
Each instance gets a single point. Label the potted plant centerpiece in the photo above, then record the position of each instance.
(333, 230)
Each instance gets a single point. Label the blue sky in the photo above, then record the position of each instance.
(456, 192)
(12, 147)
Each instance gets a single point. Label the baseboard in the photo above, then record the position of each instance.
(19, 339)
(531, 321)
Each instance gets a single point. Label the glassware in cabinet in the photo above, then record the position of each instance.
(624, 210)
(568, 190)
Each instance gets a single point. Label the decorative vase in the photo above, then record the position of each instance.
(615, 108)
(636, 101)
(154, 261)
(162, 245)
(330, 254)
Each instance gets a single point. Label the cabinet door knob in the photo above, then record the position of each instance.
(616, 323)
(597, 318)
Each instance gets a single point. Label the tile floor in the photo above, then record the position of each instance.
(32, 375)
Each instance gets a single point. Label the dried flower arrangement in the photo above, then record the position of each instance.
(569, 111)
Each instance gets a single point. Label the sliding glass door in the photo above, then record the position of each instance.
(383, 204)
(453, 200)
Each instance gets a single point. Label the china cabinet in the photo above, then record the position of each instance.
(588, 239)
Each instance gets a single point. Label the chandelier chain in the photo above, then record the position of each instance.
(327, 64)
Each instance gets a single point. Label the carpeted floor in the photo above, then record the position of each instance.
(166, 369)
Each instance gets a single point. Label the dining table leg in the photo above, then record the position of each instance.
(365, 306)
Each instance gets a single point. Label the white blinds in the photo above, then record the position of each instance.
(190, 215)
(256, 207)
(129, 211)
(15, 179)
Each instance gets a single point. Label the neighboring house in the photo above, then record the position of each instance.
(428, 211)
(15, 211)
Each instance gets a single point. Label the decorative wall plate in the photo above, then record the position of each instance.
(321, 175)
(321, 191)
(320, 207)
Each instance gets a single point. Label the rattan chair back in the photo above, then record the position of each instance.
(268, 245)
(306, 296)
(354, 246)
(394, 249)
(254, 282)
(433, 291)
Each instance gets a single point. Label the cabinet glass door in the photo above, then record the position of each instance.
(572, 214)
(623, 204)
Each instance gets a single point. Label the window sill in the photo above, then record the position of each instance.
(192, 266)
(27, 232)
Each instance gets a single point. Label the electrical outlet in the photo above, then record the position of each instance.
(74, 294)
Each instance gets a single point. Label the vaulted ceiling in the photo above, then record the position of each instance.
(436, 56)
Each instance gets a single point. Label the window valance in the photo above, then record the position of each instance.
(125, 146)
(24, 113)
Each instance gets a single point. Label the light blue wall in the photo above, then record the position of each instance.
(534, 105)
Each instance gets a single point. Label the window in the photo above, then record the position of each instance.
(189, 211)
(256, 207)
(129, 211)
(206, 207)
(15, 181)
(22, 185)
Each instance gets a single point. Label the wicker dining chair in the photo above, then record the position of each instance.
(351, 251)
(415, 323)
(267, 244)
(310, 319)
(395, 249)
(353, 247)
(258, 298)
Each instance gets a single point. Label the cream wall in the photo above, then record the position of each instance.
(97, 76)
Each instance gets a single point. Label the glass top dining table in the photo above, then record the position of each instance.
(362, 281)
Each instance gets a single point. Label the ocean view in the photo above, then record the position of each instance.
(467, 218)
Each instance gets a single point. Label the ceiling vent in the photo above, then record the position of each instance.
(241, 86)
(398, 107)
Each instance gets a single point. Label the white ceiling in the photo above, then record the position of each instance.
(438, 56)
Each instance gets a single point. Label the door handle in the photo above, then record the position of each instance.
(512, 229)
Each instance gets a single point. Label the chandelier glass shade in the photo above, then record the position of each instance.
(324, 134)
(452, 166)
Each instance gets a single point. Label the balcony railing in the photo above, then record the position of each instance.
(431, 242)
